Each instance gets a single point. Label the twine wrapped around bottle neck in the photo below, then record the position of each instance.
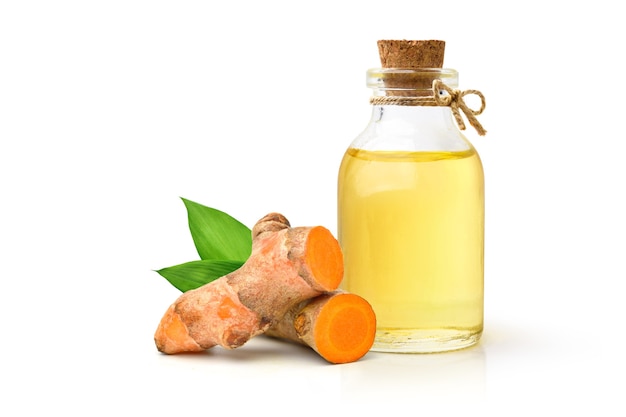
(453, 99)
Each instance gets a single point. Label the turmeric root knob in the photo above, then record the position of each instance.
(287, 266)
(272, 222)
(172, 334)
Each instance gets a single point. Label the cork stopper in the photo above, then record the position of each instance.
(411, 66)
(411, 54)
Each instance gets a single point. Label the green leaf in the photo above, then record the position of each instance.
(216, 234)
(194, 274)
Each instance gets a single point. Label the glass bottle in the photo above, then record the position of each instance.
(411, 216)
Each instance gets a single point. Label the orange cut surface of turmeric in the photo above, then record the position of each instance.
(325, 261)
(345, 328)
(339, 326)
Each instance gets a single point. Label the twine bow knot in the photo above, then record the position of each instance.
(454, 99)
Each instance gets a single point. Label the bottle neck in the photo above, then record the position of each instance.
(411, 111)
(413, 117)
(412, 128)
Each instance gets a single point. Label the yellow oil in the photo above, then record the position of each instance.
(411, 226)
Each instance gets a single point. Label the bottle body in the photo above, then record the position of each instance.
(411, 226)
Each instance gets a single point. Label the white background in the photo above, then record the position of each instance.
(112, 110)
